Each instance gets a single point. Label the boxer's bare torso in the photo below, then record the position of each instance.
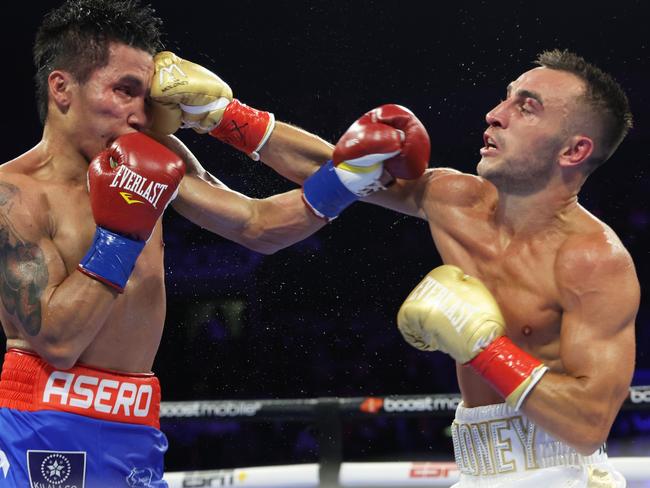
(566, 285)
(530, 271)
(46, 227)
(46, 223)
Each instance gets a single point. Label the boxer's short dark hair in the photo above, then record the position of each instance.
(603, 95)
(75, 36)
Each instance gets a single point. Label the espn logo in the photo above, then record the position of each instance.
(433, 470)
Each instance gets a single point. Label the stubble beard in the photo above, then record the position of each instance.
(518, 176)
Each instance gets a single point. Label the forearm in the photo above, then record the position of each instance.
(572, 410)
(294, 153)
(72, 315)
(280, 221)
(267, 225)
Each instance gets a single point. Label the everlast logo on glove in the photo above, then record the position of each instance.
(451, 306)
(135, 169)
(129, 180)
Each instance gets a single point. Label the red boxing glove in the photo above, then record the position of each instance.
(389, 137)
(387, 129)
(131, 183)
(244, 128)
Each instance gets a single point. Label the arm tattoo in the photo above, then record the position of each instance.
(23, 272)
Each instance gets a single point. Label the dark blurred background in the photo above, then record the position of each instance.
(318, 319)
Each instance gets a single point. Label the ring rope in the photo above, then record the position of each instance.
(304, 409)
(385, 474)
(330, 471)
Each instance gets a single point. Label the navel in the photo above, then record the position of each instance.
(526, 330)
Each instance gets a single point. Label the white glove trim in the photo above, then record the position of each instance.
(369, 160)
(255, 155)
(219, 103)
(534, 379)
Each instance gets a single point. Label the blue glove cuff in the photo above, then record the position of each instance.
(111, 258)
(325, 193)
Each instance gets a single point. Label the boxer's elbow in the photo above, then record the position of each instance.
(587, 447)
(277, 222)
(265, 238)
(592, 435)
(261, 244)
(60, 361)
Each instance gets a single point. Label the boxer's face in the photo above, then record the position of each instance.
(114, 100)
(528, 129)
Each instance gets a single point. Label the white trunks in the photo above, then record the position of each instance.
(498, 447)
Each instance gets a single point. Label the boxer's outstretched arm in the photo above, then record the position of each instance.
(600, 297)
(43, 308)
(264, 225)
(295, 153)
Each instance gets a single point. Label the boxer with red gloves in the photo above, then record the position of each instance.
(80, 222)
(130, 185)
(388, 138)
(82, 291)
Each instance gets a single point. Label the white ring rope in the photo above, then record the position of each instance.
(387, 474)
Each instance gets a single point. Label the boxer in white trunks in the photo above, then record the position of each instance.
(560, 352)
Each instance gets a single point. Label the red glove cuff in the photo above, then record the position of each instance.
(510, 370)
(244, 127)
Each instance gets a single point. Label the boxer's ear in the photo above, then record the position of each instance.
(59, 83)
(577, 150)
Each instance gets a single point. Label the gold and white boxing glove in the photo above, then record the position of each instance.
(188, 95)
(455, 313)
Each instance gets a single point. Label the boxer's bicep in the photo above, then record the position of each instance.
(600, 299)
(599, 296)
(430, 196)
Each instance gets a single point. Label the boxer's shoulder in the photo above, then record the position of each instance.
(448, 186)
(590, 241)
(22, 176)
(23, 205)
(594, 254)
